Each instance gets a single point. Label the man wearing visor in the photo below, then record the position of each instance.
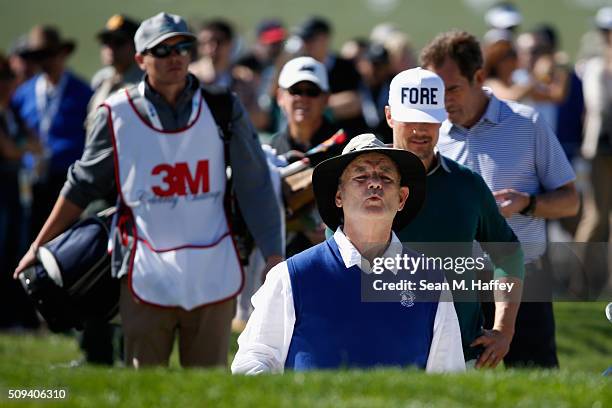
(160, 144)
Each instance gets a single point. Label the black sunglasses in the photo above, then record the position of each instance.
(183, 49)
(311, 91)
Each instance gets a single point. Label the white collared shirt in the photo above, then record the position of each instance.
(264, 343)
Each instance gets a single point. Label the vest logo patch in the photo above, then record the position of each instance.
(407, 298)
(179, 180)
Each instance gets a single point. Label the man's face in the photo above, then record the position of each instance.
(170, 70)
(270, 52)
(53, 62)
(303, 103)
(461, 97)
(369, 189)
(416, 137)
(117, 52)
(214, 45)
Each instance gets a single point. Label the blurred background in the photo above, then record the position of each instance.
(421, 19)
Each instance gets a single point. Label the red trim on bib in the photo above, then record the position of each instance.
(111, 128)
(127, 94)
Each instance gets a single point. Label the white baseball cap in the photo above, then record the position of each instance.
(603, 19)
(303, 69)
(504, 16)
(417, 95)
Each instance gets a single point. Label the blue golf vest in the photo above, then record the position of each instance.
(335, 329)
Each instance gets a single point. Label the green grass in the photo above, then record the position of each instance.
(585, 350)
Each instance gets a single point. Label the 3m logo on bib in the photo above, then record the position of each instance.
(419, 96)
(179, 180)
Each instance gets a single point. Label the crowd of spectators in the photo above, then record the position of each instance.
(46, 114)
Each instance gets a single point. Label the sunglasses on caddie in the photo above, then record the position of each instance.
(183, 49)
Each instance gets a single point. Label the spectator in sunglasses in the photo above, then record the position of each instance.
(302, 95)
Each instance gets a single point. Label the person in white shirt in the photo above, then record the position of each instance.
(310, 314)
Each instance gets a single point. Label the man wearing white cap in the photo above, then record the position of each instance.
(162, 147)
(302, 95)
(311, 314)
(503, 16)
(459, 208)
(503, 19)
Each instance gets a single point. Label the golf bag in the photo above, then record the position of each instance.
(71, 281)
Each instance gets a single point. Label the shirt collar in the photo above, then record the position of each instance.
(491, 113)
(440, 163)
(351, 256)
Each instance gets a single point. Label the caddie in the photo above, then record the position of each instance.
(161, 146)
(309, 314)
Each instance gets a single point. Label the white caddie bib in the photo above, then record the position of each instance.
(173, 182)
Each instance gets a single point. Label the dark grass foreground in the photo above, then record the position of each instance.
(585, 348)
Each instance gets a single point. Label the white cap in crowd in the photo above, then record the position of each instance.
(504, 16)
(417, 95)
(303, 69)
(603, 18)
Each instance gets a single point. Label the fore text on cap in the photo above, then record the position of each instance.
(420, 96)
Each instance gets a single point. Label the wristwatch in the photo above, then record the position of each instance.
(530, 208)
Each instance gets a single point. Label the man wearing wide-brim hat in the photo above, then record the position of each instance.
(46, 41)
(309, 314)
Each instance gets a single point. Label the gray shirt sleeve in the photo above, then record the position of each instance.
(93, 175)
(253, 185)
